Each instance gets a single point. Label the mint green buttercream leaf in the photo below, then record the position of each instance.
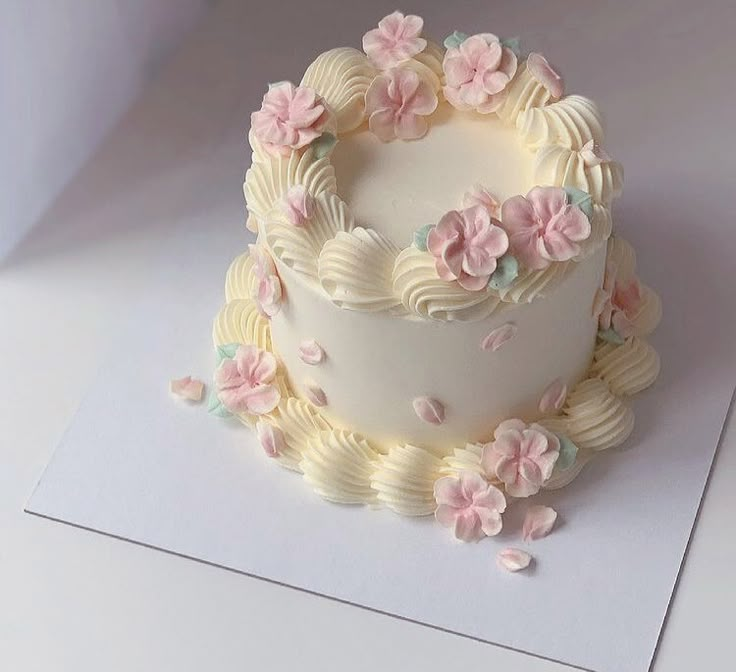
(323, 145)
(568, 453)
(581, 199)
(611, 336)
(226, 351)
(420, 237)
(506, 272)
(454, 40)
(513, 43)
(216, 407)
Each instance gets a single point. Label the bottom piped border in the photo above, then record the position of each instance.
(466, 489)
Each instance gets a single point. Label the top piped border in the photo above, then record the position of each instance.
(475, 259)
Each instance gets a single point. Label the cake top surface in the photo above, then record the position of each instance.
(432, 182)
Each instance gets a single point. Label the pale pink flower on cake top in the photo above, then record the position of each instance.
(271, 438)
(466, 245)
(545, 74)
(187, 388)
(469, 505)
(538, 522)
(298, 205)
(479, 195)
(543, 227)
(290, 118)
(396, 103)
(245, 382)
(619, 303)
(522, 456)
(396, 39)
(478, 73)
(513, 559)
(267, 292)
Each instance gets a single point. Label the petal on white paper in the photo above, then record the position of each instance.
(513, 559)
(187, 388)
(538, 522)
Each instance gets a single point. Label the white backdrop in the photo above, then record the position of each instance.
(68, 70)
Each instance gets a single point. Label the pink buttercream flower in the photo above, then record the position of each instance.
(244, 383)
(544, 227)
(470, 505)
(466, 245)
(298, 205)
(545, 74)
(396, 103)
(290, 118)
(478, 72)
(395, 40)
(267, 291)
(522, 456)
(621, 303)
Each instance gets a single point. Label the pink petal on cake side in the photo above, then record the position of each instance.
(271, 438)
(187, 388)
(538, 522)
(513, 559)
(430, 410)
(316, 395)
(311, 352)
(498, 337)
(553, 397)
(593, 154)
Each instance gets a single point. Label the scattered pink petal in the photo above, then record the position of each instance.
(538, 522)
(430, 410)
(316, 395)
(298, 205)
(554, 396)
(311, 352)
(470, 505)
(479, 195)
(545, 74)
(498, 337)
(513, 559)
(267, 292)
(271, 438)
(593, 154)
(187, 388)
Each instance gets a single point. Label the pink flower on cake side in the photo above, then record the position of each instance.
(298, 205)
(470, 505)
(477, 73)
(545, 74)
(395, 40)
(244, 383)
(621, 303)
(466, 245)
(267, 291)
(396, 103)
(290, 118)
(543, 227)
(522, 456)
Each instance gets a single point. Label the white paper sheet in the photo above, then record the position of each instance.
(142, 466)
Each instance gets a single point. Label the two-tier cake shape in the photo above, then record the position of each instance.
(435, 316)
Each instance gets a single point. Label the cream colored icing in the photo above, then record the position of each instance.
(353, 283)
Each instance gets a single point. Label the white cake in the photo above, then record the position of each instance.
(434, 312)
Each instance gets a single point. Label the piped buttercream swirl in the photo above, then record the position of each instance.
(570, 122)
(628, 368)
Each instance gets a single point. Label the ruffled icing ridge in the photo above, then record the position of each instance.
(425, 295)
(628, 368)
(342, 76)
(365, 249)
(524, 93)
(570, 122)
(270, 177)
(299, 247)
